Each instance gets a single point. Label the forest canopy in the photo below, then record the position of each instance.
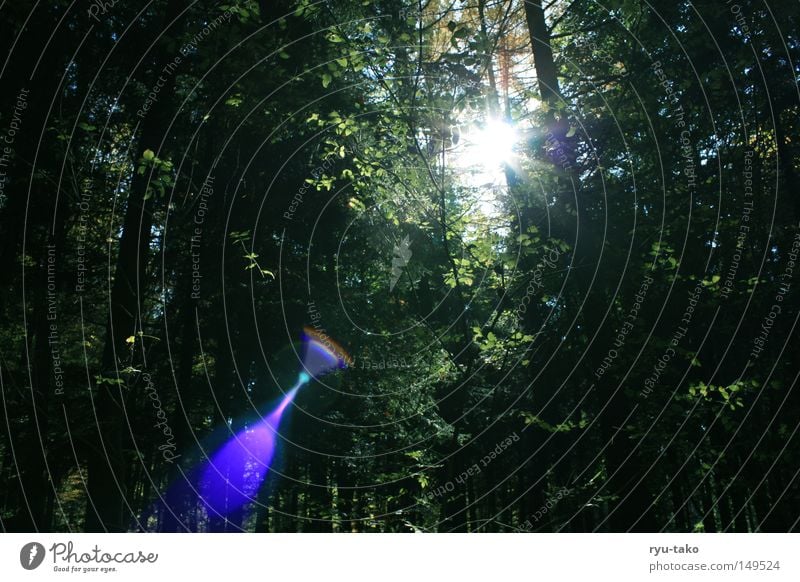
(399, 266)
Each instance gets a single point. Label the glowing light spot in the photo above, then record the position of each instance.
(494, 144)
(232, 476)
(481, 158)
(322, 355)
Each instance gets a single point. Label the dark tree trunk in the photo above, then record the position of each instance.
(107, 493)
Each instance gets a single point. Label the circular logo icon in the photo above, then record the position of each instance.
(31, 555)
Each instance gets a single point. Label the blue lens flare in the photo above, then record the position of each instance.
(232, 476)
(319, 360)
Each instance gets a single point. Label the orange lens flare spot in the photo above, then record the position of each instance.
(329, 345)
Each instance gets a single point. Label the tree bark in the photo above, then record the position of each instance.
(107, 461)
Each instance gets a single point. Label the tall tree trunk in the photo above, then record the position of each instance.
(542, 57)
(107, 461)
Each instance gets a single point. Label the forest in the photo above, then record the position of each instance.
(399, 266)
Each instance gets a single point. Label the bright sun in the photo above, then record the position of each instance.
(495, 142)
(485, 149)
(480, 160)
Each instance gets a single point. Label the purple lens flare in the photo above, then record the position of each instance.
(232, 476)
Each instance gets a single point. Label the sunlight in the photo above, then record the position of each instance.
(485, 150)
(494, 144)
(480, 160)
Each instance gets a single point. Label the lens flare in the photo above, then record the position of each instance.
(321, 354)
(232, 476)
